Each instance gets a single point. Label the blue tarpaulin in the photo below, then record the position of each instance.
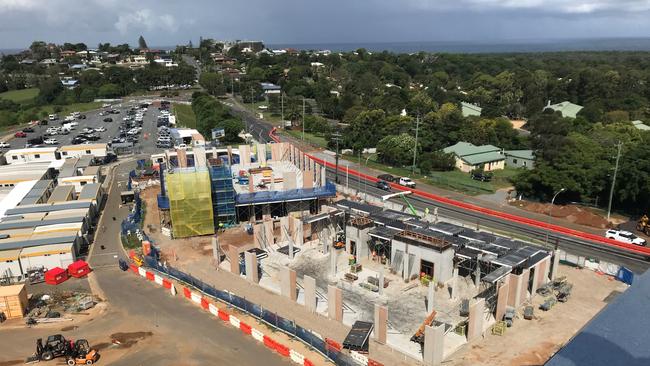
(625, 275)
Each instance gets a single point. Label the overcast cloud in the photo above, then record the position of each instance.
(170, 22)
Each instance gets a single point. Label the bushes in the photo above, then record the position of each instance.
(437, 161)
(212, 114)
(397, 150)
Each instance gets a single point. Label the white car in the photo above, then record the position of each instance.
(88, 130)
(4, 145)
(69, 118)
(624, 237)
(50, 142)
(406, 182)
(100, 129)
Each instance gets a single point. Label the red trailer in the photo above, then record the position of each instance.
(56, 276)
(78, 269)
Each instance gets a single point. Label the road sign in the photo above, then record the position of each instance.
(218, 133)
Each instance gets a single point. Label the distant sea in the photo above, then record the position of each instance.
(604, 44)
(510, 46)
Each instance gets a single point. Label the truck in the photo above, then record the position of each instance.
(406, 182)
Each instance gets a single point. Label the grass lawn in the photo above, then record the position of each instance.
(75, 107)
(184, 115)
(265, 113)
(20, 96)
(311, 138)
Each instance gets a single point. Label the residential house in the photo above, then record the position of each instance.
(470, 157)
(70, 83)
(567, 108)
(270, 88)
(67, 53)
(469, 109)
(520, 158)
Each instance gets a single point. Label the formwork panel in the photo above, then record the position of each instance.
(190, 201)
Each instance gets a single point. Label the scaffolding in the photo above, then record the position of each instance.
(189, 191)
(223, 194)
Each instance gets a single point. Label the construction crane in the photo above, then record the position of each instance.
(402, 194)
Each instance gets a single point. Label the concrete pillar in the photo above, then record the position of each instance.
(502, 298)
(381, 283)
(268, 232)
(233, 257)
(475, 322)
(261, 153)
(288, 283)
(430, 297)
(215, 251)
(258, 235)
(454, 284)
(297, 233)
(333, 260)
(381, 328)
(405, 273)
(309, 283)
(334, 303)
(547, 268)
(556, 264)
(285, 230)
(525, 276)
(433, 345)
(536, 276)
(289, 180)
(477, 272)
(307, 179)
(514, 292)
(251, 267)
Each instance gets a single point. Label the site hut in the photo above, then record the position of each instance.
(62, 194)
(187, 137)
(10, 175)
(78, 172)
(31, 155)
(39, 193)
(98, 151)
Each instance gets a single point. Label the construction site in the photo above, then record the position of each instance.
(424, 285)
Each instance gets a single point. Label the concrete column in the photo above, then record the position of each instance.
(258, 234)
(261, 153)
(556, 264)
(434, 345)
(215, 251)
(381, 283)
(525, 276)
(288, 283)
(251, 267)
(406, 274)
(454, 284)
(502, 298)
(233, 257)
(430, 297)
(475, 322)
(514, 292)
(381, 328)
(334, 303)
(536, 275)
(477, 273)
(547, 268)
(289, 180)
(268, 232)
(285, 231)
(309, 283)
(307, 179)
(333, 260)
(297, 233)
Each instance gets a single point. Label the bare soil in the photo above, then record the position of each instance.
(126, 340)
(572, 213)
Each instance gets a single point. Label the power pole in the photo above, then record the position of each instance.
(336, 137)
(415, 150)
(303, 118)
(611, 190)
(282, 105)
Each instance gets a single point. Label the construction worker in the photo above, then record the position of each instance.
(221, 227)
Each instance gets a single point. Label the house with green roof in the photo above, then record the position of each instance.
(567, 108)
(468, 109)
(470, 157)
(639, 125)
(520, 158)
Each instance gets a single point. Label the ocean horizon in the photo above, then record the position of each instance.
(504, 46)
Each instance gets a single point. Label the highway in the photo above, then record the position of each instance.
(574, 245)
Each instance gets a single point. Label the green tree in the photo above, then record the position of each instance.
(436, 161)
(397, 150)
(109, 91)
(49, 90)
(142, 44)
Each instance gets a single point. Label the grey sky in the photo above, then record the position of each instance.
(169, 22)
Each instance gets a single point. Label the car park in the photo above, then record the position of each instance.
(625, 237)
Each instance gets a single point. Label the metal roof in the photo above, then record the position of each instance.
(61, 194)
(18, 224)
(618, 335)
(89, 191)
(497, 274)
(48, 207)
(477, 235)
(382, 232)
(36, 242)
(359, 207)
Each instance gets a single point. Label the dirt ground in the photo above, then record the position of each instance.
(572, 213)
(532, 342)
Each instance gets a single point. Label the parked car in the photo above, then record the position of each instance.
(406, 182)
(624, 237)
(20, 134)
(88, 130)
(42, 122)
(100, 129)
(387, 177)
(82, 116)
(35, 141)
(382, 184)
(78, 140)
(108, 119)
(28, 130)
(51, 142)
(92, 137)
(4, 145)
(481, 176)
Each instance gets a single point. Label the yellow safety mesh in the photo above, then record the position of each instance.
(190, 203)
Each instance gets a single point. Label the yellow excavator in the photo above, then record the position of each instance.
(643, 225)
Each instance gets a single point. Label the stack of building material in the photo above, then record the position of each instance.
(13, 301)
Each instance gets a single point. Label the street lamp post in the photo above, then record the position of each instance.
(548, 219)
(365, 182)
